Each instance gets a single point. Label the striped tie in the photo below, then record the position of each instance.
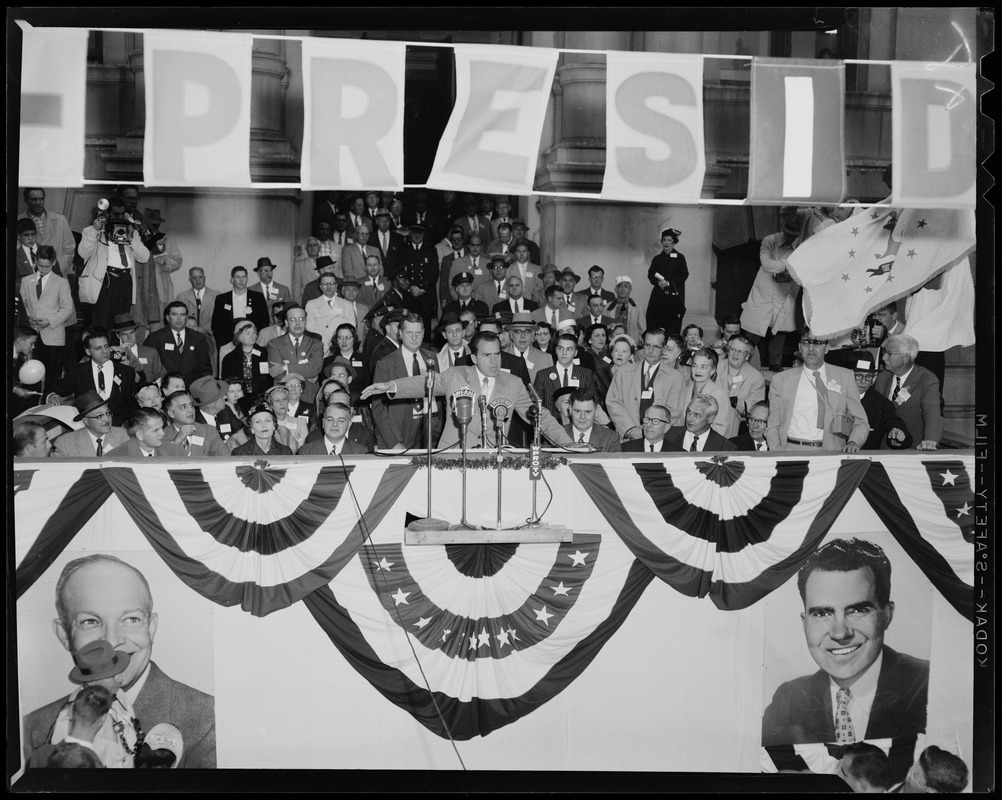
(897, 389)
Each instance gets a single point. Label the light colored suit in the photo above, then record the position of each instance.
(747, 385)
(322, 318)
(444, 359)
(55, 305)
(536, 362)
(276, 292)
(59, 236)
(202, 315)
(79, 444)
(353, 262)
(210, 444)
(842, 401)
(532, 284)
(543, 314)
(505, 385)
(623, 398)
(920, 412)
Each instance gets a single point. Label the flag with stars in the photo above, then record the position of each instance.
(258, 535)
(470, 638)
(730, 528)
(876, 256)
(928, 505)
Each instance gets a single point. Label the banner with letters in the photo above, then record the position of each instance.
(198, 107)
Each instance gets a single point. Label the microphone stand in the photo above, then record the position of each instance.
(464, 396)
(536, 415)
(500, 413)
(429, 523)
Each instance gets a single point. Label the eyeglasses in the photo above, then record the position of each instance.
(753, 421)
(102, 415)
(816, 342)
(652, 420)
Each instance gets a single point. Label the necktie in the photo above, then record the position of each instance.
(897, 389)
(386, 242)
(760, 445)
(32, 254)
(38, 289)
(553, 318)
(198, 307)
(695, 445)
(416, 367)
(100, 446)
(330, 303)
(462, 306)
(564, 383)
(186, 446)
(100, 380)
(452, 355)
(819, 387)
(486, 393)
(844, 733)
(333, 450)
(124, 257)
(295, 344)
(651, 446)
(177, 336)
(581, 438)
(499, 287)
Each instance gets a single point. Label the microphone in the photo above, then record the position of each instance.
(535, 395)
(482, 404)
(462, 400)
(500, 406)
(431, 364)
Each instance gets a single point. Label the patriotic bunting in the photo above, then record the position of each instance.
(797, 132)
(259, 535)
(731, 529)
(876, 256)
(928, 505)
(494, 633)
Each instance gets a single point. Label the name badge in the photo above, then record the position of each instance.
(356, 363)
(528, 274)
(227, 306)
(117, 380)
(168, 346)
(225, 428)
(673, 254)
(291, 425)
(577, 361)
(647, 394)
(833, 386)
(191, 348)
(606, 359)
(478, 271)
(357, 418)
(143, 361)
(506, 370)
(263, 368)
(903, 396)
(196, 440)
(256, 352)
(737, 379)
(574, 382)
(304, 361)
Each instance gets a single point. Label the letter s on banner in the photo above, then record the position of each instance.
(198, 93)
(933, 118)
(492, 139)
(654, 127)
(353, 130)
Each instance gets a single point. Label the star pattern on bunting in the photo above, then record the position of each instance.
(951, 484)
(383, 565)
(560, 589)
(400, 597)
(964, 510)
(845, 276)
(543, 615)
(949, 478)
(852, 254)
(911, 254)
(502, 638)
(421, 622)
(855, 231)
(868, 289)
(578, 558)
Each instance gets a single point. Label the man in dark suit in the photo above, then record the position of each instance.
(656, 423)
(594, 314)
(516, 302)
(485, 378)
(145, 428)
(583, 429)
(696, 436)
(457, 239)
(111, 379)
(595, 277)
(420, 260)
(563, 373)
(388, 242)
(887, 429)
(181, 349)
(335, 441)
(472, 223)
(845, 587)
(237, 304)
(107, 589)
(754, 437)
(511, 364)
(297, 351)
(380, 344)
(914, 390)
(463, 284)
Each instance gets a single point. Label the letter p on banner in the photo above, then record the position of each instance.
(198, 95)
(53, 89)
(933, 118)
(492, 139)
(797, 152)
(654, 122)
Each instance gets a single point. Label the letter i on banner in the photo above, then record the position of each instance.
(492, 139)
(654, 127)
(53, 90)
(198, 94)
(353, 129)
(933, 119)
(797, 132)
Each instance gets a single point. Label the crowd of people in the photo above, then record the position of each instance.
(385, 291)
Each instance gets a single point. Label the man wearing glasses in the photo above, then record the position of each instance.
(637, 387)
(744, 384)
(113, 381)
(913, 390)
(815, 407)
(754, 439)
(96, 437)
(656, 422)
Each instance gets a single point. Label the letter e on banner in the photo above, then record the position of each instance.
(654, 127)
(353, 132)
(492, 139)
(933, 119)
(198, 92)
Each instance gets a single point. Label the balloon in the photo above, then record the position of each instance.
(31, 372)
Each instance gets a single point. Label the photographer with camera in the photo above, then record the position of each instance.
(165, 254)
(111, 249)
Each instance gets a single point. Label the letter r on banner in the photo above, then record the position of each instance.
(198, 92)
(492, 139)
(933, 120)
(353, 128)
(654, 124)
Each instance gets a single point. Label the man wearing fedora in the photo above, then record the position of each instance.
(112, 380)
(491, 287)
(522, 329)
(145, 428)
(266, 285)
(97, 437)
(521, 231)
(109, 590)
(144, 360)
(326, 265)
(455, 347)
(887, 429)
(209, 395)
(237, 304)
(181, 348)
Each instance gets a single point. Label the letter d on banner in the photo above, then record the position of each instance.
(933, 118)
(198, 93)
(492, 139)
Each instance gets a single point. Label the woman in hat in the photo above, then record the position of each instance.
(291, 431)
(625, 310)
(667, 274)
(263, 426)
(247, 360)
(346, 345)
(703, 380)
